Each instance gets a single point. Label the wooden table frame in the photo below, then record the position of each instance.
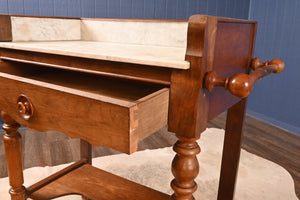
(219, 44)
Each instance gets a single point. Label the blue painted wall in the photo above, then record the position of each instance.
(276, 99)
(158, 9)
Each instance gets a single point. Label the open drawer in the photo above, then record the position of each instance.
(105, 112)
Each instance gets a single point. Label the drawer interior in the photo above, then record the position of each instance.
(117, 113)
(115, 88)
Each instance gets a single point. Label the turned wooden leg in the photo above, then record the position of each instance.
(185, 168)
(12, 143)
(85, 153)
(231, 150)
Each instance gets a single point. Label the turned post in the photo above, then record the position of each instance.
(13, 150)
(188, 105)
(185, 168)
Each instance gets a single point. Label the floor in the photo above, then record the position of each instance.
(53, 148)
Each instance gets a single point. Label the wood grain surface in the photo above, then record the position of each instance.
(5, 28)
(126, 111)
(91, 66)
(98, 184)
(54, 148)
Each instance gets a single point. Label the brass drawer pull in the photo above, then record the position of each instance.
(25, 107)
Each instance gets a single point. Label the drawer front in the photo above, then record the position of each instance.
(82, 115)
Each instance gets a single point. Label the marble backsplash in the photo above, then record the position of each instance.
(155, 33)
(44, 29)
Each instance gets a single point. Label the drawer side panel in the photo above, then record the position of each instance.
(150, 115)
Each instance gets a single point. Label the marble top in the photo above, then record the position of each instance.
(171, 57)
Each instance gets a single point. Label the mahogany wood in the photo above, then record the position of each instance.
(86, 154)
(13, 151)
(188, 103)
(276, 64)
(231, 149)
(17, 68)
(191, 107)
(207, 38)
(25, 107)
(86, 151)
(35, 187)
(241, 85)
(127, 102)
(124, 119)
(238, 40)
(98, 184)
(5, 28)
(185, 168)
(105, 68)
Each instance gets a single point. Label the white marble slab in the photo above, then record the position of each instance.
(172, 57)
(44, 29)
(157, 33)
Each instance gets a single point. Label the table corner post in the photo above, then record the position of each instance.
(185, 168)
(13, 151)
(232, 149)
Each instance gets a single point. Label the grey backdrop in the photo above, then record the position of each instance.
(275, 99)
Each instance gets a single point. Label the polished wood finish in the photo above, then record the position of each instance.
(207, 39)
(12, 143)
(37, 186)
(25, 107)
(128, 102)
(188, 104)
(231, 150)
(54, 148)
(119, 70)
(236, 59)
(98, 185)
(276, 65)
(241, 85)
(133, 103)
(185, 168)
(263, 139)
(5, 28)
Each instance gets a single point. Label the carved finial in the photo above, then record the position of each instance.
(277, 63)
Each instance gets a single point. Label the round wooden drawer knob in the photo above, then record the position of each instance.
(25, 107)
